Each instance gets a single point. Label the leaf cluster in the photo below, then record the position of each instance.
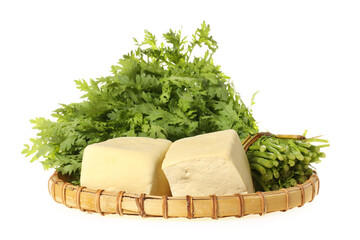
(158, 90)
(282, 163)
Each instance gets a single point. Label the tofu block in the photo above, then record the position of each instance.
(213, 163)
(131, 164)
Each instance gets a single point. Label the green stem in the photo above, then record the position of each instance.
(271, 143)
(303, 150)
(260, 182)
(292, 182)
(264, 155)
(262, 161)
(286, 167)
(275, 163)
(291, 163)
(309, 172)
(261, 148)
(276, 152)
(315, 149)
(275, 187)
(275, 173)
(290, 156)
(297, 153)
(304, 144)
(258, 168)
(318, 140)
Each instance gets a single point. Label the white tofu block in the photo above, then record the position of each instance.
(131, 164)
(213, 163)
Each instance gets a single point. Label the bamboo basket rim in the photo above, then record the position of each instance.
(237, 205)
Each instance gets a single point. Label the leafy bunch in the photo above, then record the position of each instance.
(159, 90)
(278, 162)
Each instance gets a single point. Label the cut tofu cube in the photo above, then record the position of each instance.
(213, 163)
(131, 164)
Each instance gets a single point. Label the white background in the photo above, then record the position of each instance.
(303, 57)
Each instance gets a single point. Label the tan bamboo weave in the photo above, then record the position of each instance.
(237, 205)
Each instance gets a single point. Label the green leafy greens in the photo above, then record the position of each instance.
(281, 162)
(159, 90)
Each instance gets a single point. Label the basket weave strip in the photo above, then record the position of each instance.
(190, 206)
(263, 203)
(287, 193)
(215, 206)
(241, 205)
(165, 206)
(302, 195)
(237, 205)
(140, 205)
(63, 197)
(97, 201)
(77, 198)
(119, 200)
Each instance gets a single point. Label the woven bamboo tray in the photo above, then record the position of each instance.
(237, 205)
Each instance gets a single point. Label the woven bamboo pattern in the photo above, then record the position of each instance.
(237, 205)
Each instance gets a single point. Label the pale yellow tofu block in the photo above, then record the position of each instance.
(131, 164)
(213, 163)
